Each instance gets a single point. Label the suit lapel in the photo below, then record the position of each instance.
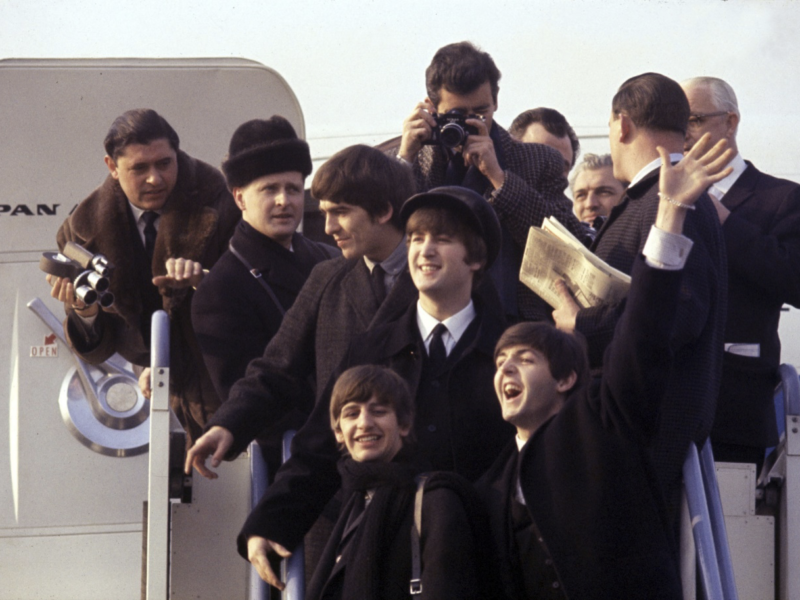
(401, 296)
(356, 288)
(742, 189)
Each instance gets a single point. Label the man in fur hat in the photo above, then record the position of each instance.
(240, 304)
(160, 217)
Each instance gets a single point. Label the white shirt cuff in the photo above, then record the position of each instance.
(664, 250)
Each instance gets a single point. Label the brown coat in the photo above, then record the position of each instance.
(196, 223)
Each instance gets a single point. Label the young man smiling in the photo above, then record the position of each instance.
(368, 555)
(441, 346)
(575, 505)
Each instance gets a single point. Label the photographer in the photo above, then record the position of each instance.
(160, 217)
(523, 182)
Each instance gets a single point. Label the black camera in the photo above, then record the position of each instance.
(88, 272)
(451, 129)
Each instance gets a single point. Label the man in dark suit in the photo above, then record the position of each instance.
(575, 507)
(649, 111)
(441, 346)
(760, 217)
(361, 191)
(160, 217)
(240, 304)
(523, 182)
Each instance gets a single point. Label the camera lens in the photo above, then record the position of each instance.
(452, 135)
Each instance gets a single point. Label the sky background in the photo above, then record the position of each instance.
(357, 67)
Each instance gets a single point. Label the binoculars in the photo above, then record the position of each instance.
(89, 273)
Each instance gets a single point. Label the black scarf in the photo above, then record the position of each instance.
(392, 502)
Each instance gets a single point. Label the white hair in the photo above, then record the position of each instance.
(722, 94)
(592, 162)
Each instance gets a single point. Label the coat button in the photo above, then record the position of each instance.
(548, 561)
(556, 585)
(435, 385)
(431, 428)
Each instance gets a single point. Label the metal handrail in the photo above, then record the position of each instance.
(700, 520)
(259, 589)
(293, 568)
(718, 529)
(158, 509)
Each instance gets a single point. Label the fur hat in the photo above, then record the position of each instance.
(470, 205)
(260, 147)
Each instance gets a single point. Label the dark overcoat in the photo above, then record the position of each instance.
(697, 338)
(234, 317)
(470, 419)
(196, 223)
(762, 237)
(586, 476)
(453, 541)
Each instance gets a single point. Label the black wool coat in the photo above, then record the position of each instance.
(586, 476)
(234, 317)
(376, 563)
(697, 338)
(762, 237)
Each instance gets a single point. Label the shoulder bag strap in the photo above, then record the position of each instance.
(416, 531)
(257, 275)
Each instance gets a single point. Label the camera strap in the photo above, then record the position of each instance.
(259, 277)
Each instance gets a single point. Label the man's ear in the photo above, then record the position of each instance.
(112, 166)
(339, 437)
(404, 430)
(626, 128)
(385, 217)
(731, 124)
(566, 384)
(476, 266)
(238, 197)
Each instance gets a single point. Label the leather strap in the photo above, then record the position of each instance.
(416, 531)
(258, 276)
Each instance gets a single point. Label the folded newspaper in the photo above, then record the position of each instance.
(553, 253)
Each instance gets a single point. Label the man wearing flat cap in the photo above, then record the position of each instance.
(240, 304)
(442, 346)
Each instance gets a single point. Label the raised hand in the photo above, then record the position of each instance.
(682, 184)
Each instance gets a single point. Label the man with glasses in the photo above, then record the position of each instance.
(760, 217)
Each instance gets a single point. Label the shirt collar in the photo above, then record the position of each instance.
(395, 262)
(723, 186)
(674, 157)
(520, 442)
(138, 212)
(456, 324)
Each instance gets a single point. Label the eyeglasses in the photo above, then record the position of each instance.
(697, 119)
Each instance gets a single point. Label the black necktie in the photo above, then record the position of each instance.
(149, 217)
(437, 353)
(378, 281)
